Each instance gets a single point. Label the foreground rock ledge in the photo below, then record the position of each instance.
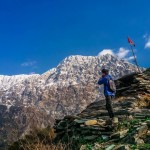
(93, 128)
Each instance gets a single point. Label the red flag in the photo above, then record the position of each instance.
(131, 42)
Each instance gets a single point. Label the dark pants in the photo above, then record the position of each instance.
(109, 106)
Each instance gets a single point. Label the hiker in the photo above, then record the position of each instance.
(109, 90)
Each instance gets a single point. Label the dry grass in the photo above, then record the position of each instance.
(41, 146)
(144, 101)
(39, 139)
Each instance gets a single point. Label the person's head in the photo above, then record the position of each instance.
(104, 72)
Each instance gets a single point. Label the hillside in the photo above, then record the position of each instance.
(92, 129)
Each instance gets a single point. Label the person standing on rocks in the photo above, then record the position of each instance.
(109, 90)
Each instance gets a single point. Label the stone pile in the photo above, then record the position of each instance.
(131, 128)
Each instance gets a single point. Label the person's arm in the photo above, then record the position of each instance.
(101, 81)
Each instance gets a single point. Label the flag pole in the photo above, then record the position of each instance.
(135, 60)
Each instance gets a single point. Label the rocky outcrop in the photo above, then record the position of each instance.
(130, 128)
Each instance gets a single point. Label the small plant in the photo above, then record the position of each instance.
(144, 146)
(140, 147)
(147, 119)
(135, 121)
(89, 147)
(99, 140)
(82, 140)
(133, 147)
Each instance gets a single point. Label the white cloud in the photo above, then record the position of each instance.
(147, 40)
(106, 51)
(122, 53)
(130, 58)
(145, 36)
(28, 63)
(147, 45)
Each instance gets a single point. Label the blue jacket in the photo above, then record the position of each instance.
(105, 80)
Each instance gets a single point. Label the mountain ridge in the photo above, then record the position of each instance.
(73, 70)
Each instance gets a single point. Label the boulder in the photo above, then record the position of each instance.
(83, 147)
(101, 122)
(119, 134)
(139, 141)
(122, 147)
(115, 120)
(90, 122)
(142, 130)
(110, 147)
(89, 138)
(130, 117)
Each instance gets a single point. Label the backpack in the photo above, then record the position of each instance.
(112, 85)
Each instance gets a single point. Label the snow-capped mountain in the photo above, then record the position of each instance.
(72, 71)
(64, 90)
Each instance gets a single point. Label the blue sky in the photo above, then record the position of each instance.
(36, 35)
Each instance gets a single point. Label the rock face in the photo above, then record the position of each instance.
(93, 126)
(64, 90)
